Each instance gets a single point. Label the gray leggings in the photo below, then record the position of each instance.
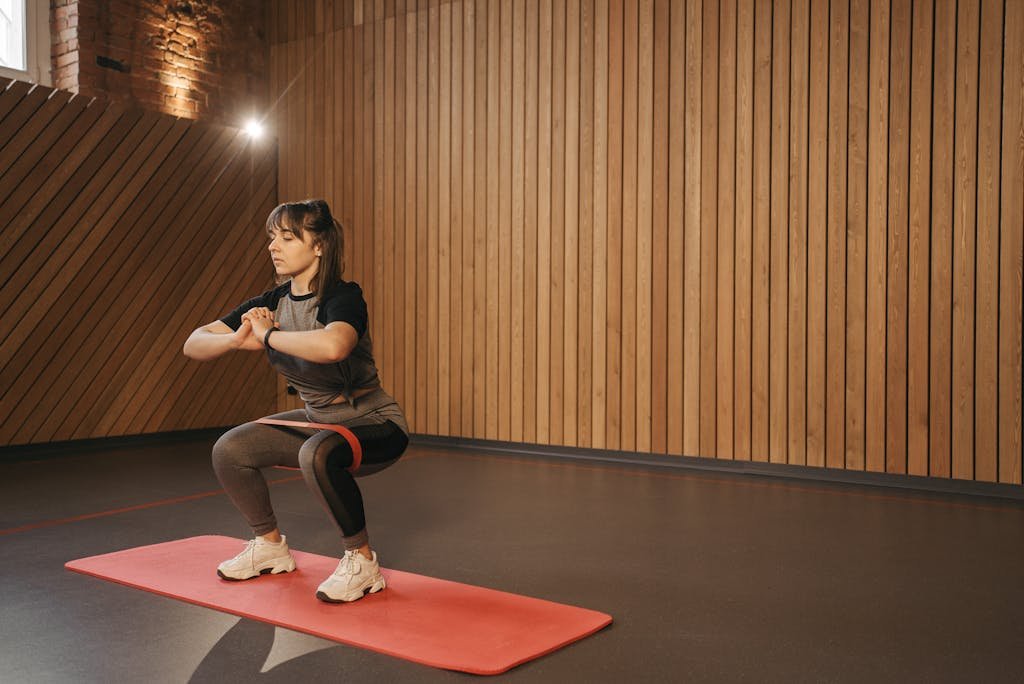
(324, 457)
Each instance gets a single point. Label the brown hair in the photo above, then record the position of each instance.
(314, 215)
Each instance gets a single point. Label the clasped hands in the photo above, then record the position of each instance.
(255, 324)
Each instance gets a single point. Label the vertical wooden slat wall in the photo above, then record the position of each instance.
(772, 230)
(123, 231)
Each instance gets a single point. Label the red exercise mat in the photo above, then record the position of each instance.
(431, 621)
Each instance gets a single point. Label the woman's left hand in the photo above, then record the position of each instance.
(262, 320)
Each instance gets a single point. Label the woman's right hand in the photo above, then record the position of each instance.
(244, 337)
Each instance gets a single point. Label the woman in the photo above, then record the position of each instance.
(315, 330)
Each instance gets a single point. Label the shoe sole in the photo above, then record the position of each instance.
(372, 589)
(264, 571)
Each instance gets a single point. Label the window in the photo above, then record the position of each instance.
(25, 40)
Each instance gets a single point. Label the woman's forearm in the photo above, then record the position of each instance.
(318, 346)
(203, 345)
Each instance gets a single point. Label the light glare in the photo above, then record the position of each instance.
(253, 128)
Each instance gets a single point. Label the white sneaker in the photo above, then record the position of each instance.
(258, 558)
(355, 577)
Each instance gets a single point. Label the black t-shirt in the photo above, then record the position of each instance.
(342, 302)
(318, 383)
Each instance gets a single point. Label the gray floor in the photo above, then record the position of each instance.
(709, 577)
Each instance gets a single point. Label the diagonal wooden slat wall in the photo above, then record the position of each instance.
(123, 230)
(785, 230)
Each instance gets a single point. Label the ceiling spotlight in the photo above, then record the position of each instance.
(254, 128)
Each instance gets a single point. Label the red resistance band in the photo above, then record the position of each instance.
(353, 441)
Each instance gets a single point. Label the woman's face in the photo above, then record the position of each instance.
(292, 256)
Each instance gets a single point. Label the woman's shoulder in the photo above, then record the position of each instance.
(271, 297)
(343, 289)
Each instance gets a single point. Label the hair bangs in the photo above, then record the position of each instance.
(287, 218)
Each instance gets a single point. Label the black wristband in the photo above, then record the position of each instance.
(266, 338)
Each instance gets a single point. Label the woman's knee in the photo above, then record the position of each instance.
(230, 451)
(324, 451)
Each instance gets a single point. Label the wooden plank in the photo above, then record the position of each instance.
(856, 235)
(480, 223)
(531, 285)
(917, 264)
(660, 232)
(965, 192)
(898, 246)
(629, 225)
(692, 234)
(1011, 258)
(599, 328)
(421, 290)
(504, 223)
(940, 315)
(432, 238)
(400, 352)
(614, 329)
(385, 268)
(709, 232)
(761, 232)
(835, 404)
(986, 387)
(409, 201)
(744, 206)
(493, 216)
(368, 228)
(558, 202)
(585, 237)
(459, 267)
(444, 331)
(726, 207)
(570, 285)
(308, 83)
(778, 262)
(796, 429)
(544, 233)
(817, 221)
(467, 67)
(382, 166)
(644, 222)
(332, 133)
(517, 333)
(676, 226)
(316, 135)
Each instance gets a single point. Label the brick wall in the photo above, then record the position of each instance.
(198, 59)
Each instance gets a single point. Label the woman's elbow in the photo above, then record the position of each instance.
(190, 349)
(339, 351)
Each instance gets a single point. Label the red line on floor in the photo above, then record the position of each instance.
(126, 509)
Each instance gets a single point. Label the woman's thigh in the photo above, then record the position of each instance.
(257, 445)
